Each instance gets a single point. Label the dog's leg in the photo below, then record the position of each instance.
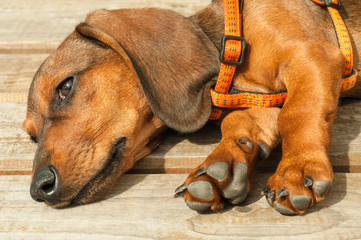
(247, 135)
(304, 175)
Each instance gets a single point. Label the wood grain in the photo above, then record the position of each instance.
(142, 206)
(38, 26)
(16, 74)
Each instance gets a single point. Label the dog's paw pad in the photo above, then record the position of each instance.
(300, 202)
(282, 209)
(200, 189)
(212, 184)
(321, 187)
(236, 190)
(199, 206)
(218, 170)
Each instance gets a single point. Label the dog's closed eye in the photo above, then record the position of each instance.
(33, 139)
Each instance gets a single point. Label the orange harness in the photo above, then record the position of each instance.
(232, 54)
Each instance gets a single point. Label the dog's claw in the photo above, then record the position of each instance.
(181, 188)
(265, 191)
(282, 193)
(308, 181)
(199, 172)
(179, 194)
(245, 141)
(272, 194)
(268, 193)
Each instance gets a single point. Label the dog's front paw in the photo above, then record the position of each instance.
(207, 185)
(220, 177)
(295, 187)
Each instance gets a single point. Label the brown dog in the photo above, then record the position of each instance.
(94, 105)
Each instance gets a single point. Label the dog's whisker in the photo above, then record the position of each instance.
(86, 150)
(94, 144)
(83, 135)
(93, 135)
(96, 136)
(97, 133)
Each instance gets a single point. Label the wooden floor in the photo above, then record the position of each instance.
(142, 205)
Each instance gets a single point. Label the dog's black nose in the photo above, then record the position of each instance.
(45, 186)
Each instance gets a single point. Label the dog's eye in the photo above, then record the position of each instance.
(65, 87)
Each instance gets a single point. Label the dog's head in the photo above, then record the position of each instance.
(100, 101)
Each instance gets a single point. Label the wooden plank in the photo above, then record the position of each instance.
(40, 25)
(181, 153)
(16, 74)
(16, 151)
(345, 148)
(142, 206)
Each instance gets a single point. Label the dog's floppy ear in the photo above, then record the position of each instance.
(175, 61)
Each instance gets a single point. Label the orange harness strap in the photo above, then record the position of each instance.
(349, 75)
(233, 46)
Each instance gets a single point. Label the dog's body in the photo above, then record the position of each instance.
(94, 114)
(290, 43)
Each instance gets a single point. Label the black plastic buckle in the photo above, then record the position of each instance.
(329, 3)
(243, 47)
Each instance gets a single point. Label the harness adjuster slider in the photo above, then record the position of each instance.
(330, 3)
(243, 47)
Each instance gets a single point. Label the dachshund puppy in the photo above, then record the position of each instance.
(92, 103)
(101, 101)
